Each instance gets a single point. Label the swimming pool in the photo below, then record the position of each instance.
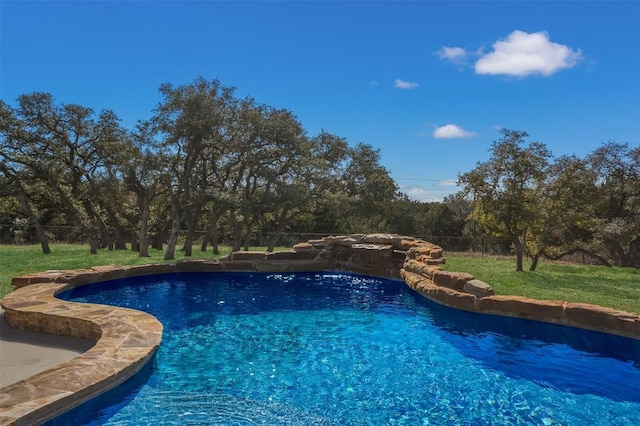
(334, 348)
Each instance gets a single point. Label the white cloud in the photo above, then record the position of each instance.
(373, 83)
(448, 182)
(428, 195)
(457, 55)
(416, 193)
(523, 54)
(450, 131)
(420, 194)
(400, 84)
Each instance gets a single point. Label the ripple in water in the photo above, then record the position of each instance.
(332, 348)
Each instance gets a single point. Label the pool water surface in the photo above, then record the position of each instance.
(336, 348)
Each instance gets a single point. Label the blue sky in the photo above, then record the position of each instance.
(427, 83)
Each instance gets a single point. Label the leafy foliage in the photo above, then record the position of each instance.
(211, 167)
(507, 188)
(206, 165)
(551, 209)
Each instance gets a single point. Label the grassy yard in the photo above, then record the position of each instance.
(20, 260)
(618, 288)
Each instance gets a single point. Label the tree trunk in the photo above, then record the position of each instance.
(247, 235)
(237, 243)
(159, 238)
(622, 256)
(273, 240)
(215, 240)
(534, 262)
(205, 241)
(247, 240)
(212, 235)
(105, 241)
(176, 223)
(173, 238)
(236, 226)
(42, 237)
(144, 223)
(98, 232)
(188, 242)
(93, 241)
(518, 245)
(601, 259)
(249, 226)
(121, 241)
(24, 201)
(208, 238)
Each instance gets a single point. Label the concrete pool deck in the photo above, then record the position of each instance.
(25, 353)
(122, 342)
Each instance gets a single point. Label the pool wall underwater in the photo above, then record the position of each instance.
(127, 339)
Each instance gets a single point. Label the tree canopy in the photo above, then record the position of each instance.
(209, 167)
(554, 207)
(206, 166)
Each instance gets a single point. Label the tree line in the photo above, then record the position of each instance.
(551, 207)
(210, 167)
(207, 163)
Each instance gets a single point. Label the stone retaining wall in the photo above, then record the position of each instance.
(415, 261)
(126, 339)
(419, 264)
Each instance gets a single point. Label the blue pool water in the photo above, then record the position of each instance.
(344, 349)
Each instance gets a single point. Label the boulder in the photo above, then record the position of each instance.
(247, 255)
(602, 319)
(453, 280)
(522, 307)
(478, 288)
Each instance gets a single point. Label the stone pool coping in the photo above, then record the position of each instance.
(126, 339)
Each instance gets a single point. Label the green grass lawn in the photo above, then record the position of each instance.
(617, 288)
(20, 260)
